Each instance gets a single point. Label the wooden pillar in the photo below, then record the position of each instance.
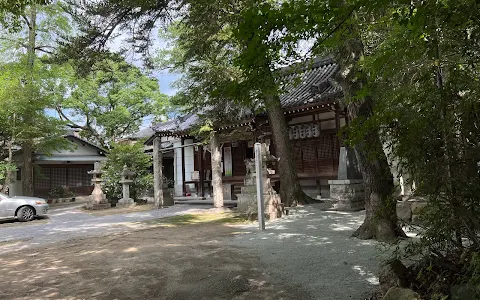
(201, 171)
(217, 183)
(157, 173)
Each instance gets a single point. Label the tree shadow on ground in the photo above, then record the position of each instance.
(315, 248)
(160, 262)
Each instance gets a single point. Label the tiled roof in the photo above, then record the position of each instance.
(303, 84)
(142, 133)
(177, 125)
(309, 84)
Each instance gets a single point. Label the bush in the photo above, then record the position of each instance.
(134, 157)
(60, 192)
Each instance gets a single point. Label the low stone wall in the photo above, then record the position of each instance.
(409, 211)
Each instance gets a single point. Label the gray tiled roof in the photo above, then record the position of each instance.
(302, 84)
(179, 124)
(143, 133)
(309, 84)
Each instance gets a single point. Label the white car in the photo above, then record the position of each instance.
(23, 208)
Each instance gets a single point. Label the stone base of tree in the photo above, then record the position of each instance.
(409, 211)
(168, 199)
(347, 194)
(247, 203)
(98, 206)
(126, 203)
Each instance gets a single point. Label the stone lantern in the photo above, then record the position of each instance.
(247, 199)
(98, 200)
(127, 180)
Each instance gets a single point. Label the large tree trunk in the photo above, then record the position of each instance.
(27, 174)
(217, 184)
(27, 145)
(290, 190)
(381, 218)
(157, 173)
(9, 175)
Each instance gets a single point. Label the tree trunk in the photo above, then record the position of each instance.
(27, 145)
(217, 184)
(290, 190)
(157, 173)
(381, 218)
(27, 174)
(9, 175)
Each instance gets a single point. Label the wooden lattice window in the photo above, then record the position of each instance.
(58, 177)
(78, 177)
(42, 178)
(309, 156)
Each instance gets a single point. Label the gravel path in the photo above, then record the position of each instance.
(313, 248)
(70, 222)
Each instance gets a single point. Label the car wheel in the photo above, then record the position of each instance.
(25, 214)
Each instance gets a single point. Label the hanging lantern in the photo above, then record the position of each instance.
(316, 130)
(308, 130)
(296, 133)
(302, 132)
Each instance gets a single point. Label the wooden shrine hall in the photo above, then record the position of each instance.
(313, 114)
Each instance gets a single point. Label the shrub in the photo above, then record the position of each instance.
(60, 192)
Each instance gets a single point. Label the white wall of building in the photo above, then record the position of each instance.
(79, 148)
(77, 153)
(189, 164)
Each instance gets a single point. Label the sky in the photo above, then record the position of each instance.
(165, 78)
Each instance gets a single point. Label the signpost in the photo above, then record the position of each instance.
(259, 179)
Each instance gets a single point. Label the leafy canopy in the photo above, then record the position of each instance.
(111, 102)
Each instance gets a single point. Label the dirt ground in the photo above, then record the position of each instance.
(184, 260)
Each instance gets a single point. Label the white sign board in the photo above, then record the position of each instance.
(227, 160)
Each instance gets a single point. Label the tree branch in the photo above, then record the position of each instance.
(26, 20)
(338, 26)
(71, 123)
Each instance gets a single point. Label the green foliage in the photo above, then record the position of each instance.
(16, 7)
(203, 52)
(60, 192)
(136, 160)
(111, 102)
(6, 167)
(16, 107)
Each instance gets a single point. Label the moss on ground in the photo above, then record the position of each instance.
(188, 219)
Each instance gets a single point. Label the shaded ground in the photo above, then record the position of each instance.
(178, 262)
(116, 211)
(69, 222)
(4, 223)
(193, 255)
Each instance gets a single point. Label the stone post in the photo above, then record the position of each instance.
(127, 179)
(97, 200)
(247, 200)
(157, 173)
(348, 191)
